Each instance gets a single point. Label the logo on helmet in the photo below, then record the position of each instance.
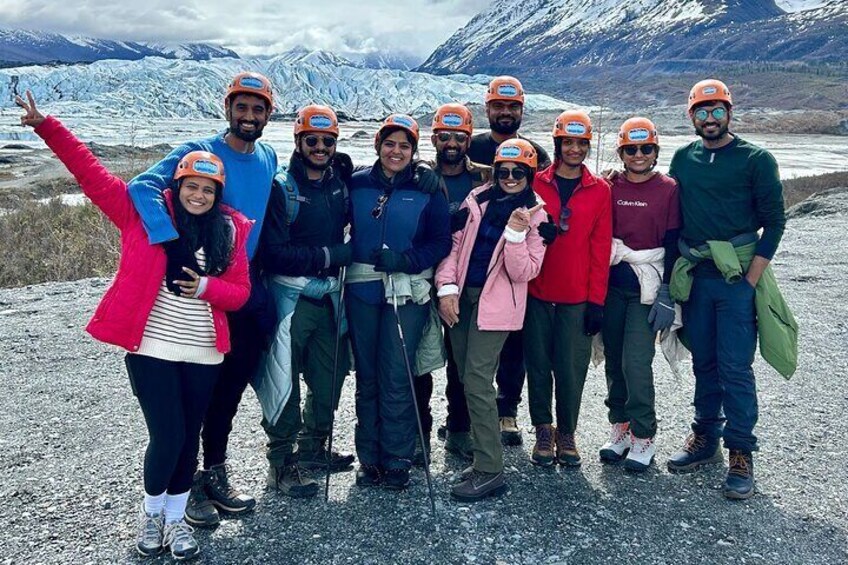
(575, 128)
(507, 90)
(403, 121)
(320, 122)
(709, 90)
(452, 120)
(251, 82)
(638, 134)
(510, 152)
(206, 168)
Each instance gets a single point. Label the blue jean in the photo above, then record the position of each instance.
(720, 324)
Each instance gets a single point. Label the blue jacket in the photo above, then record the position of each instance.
(247, 186)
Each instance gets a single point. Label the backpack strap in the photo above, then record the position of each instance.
(291, 192)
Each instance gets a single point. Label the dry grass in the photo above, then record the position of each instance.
(796, 190)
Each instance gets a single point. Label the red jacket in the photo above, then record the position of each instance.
(576, 266)
(122, 314)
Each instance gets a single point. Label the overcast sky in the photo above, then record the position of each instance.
(254, 27)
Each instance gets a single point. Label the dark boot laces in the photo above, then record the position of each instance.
(546, 439)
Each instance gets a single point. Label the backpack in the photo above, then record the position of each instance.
(292, 193)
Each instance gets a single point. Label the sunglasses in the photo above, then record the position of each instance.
(445, 136)
(312, 140)
(564, 215)
(647, 149)
(717, 113)
(381, 205)
(516, 173)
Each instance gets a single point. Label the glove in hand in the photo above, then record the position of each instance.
(548, 230)
(661, 316)
(593, 319)
(388, 261)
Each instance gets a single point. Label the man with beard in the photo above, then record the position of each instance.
(452, 129)
(250, 167)
(729, 190)
(304, 237)
(505, 108)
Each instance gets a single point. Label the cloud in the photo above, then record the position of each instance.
(253, 27)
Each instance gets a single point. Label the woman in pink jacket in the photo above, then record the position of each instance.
(166, 307)
(482, 289)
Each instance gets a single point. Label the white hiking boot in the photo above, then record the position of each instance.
(149, 538)
(179, 538)
(618, 445)
(641, 454)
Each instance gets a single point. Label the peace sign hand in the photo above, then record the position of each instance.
(33, 117)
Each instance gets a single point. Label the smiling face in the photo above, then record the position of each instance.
(504, 116)
(573, 151)
(395, 153)
(197, 194)
(316, 153)
(511, 185)
(248, 115)
(711, 128)
(640, 162)
(451, 151)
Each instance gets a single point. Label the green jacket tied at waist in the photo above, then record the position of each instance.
(776, 326)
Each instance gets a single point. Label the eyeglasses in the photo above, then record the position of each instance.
(445, 136)
(312, 140)
(647, 149)
(516, 173)
(717, 113)
(564, 215)
(381, 204)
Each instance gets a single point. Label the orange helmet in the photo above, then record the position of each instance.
(251, 83)
(638, 131)
(454, 117)
(505, 88)
(710, 90)
(316, 118)
(517, 151)
(201, 164)
(573, 123)
(402, 121)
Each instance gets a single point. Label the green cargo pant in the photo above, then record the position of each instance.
(313, 335)
(557, 352)
(628, 351)
(476, 354)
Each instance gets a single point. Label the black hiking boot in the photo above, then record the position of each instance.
(200, 512)
(223, 495)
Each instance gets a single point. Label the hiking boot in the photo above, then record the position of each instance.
(318, 460)
(618, 445)
(698, 450)
(739, 484)
(200, 511)
(566, 450)
(149, 539)
(543, 451)
(641, 455)
(289, 480)
(396, 479)
(510, 432)
(479, 485)
(369, 475)
(418, 456)
(460, 444)
(179, 538)
(442, 432)
(223, 495)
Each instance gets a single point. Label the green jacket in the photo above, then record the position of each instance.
(776, 326)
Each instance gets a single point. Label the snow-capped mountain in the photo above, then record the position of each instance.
(371, 60)
(799, 5)
(28, 47)
(520, 34)
(155, 87)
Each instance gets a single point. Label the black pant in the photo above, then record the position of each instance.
(247, 341)
(173, 397)
(511, 374)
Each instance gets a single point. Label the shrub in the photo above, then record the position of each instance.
(798, 189)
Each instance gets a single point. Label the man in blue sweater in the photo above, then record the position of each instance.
(250, 167)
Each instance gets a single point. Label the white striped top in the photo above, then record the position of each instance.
(181, 329)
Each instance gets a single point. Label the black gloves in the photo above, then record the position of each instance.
(343, 165)
(459, 219)
(548, 230)
(388, 261)
(341, 255)
(593, 319)
(661, 316)
(178, 257)
(427, 180)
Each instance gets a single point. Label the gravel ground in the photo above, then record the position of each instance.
(73, 436)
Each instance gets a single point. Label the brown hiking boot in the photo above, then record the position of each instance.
(543, 451)
(479, 485)
(289, 480)
(566, 450)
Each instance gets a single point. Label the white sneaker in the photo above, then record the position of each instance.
(641, 454)
(149, 538)
(618, 445)
(179, 538)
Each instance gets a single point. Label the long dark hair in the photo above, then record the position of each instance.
(212, 231)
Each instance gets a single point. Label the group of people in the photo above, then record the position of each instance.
(493, 259)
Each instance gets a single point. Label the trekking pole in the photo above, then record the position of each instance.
(339, 314)
(414, 397)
